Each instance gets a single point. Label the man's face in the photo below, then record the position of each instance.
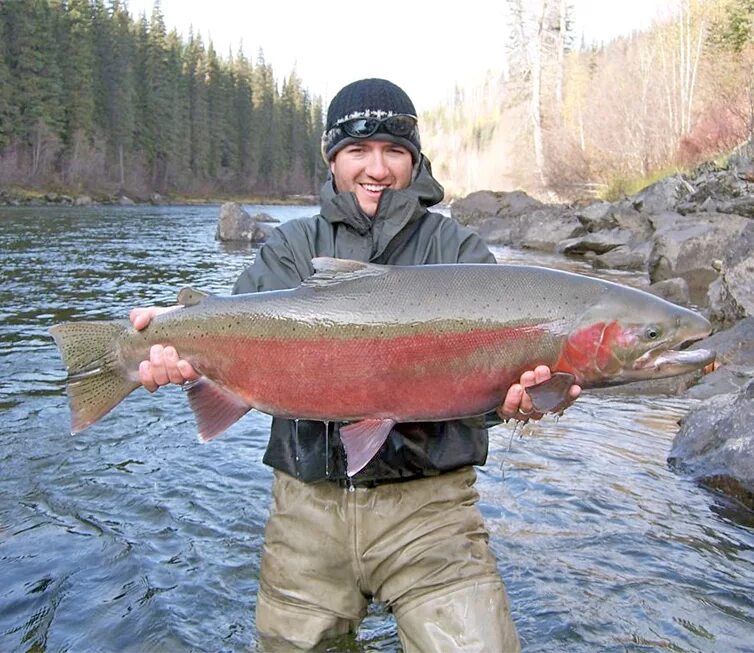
(368, 167)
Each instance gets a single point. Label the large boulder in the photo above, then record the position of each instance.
(662, 196)
(740, 206)
(689, 245)
(599, 242)
(674, 290)
(617, 237)
(235, 224)
(731, 296)
(596, 216)
(540, 229)
(715, 444)
(483, 204)
(543, 229)
(625, 257)
(735, 360)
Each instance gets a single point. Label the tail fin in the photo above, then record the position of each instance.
(96, 381)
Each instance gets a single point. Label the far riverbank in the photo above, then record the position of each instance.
(17, 196)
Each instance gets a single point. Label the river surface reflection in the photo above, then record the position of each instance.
(134, 536)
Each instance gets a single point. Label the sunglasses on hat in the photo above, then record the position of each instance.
(400, 125)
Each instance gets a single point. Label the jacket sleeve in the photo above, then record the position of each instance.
(470, 247)
(474, 250)
(278, 265)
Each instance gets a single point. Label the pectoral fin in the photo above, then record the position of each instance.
(551, 396)
(215, 408)
(362, 440)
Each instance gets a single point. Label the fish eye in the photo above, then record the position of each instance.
(652, 332)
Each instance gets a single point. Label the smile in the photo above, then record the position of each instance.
(374, 188)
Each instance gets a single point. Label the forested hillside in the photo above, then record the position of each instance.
(566, 119)
(94, 100)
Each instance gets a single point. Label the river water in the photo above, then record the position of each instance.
(133, 536)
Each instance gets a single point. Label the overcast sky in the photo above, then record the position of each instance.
(423, 48)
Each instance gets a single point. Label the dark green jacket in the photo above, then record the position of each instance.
(403, 232)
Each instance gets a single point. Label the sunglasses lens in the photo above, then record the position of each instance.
(361, 127)
(365, 127)
(399, 125)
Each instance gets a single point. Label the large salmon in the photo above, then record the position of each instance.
(374, 345)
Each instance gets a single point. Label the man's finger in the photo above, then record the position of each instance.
(159, 373)
(187, 371)
(509, 407)
(140, 318)
(170, 357)
(528, 379)
(145, 376)
(541, 374)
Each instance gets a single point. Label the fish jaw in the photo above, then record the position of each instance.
(672, 362)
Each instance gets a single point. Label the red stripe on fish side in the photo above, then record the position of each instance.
(422, 376)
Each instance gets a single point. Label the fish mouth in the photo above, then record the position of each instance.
(670, 362)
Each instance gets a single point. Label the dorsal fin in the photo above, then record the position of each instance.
(191, 296)
(328, 271)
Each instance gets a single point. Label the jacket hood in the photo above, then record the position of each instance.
(397, 206)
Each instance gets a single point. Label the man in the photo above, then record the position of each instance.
(405, 529)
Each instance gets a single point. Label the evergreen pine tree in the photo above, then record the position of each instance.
(242, 123)
(77, 63)
(32, 61)
(195, 71)
(7, 110)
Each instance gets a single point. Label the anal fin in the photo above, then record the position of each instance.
(215, 408)
(362, 440)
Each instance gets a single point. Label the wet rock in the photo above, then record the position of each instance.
(599, 243)
(687, 246)
(674, 290)
(235, 224)
(731, 296)
(715, 444)
(735, 360)
(83, 200)
(624, 258)
(125, 201)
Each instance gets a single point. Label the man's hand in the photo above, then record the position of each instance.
(164, 366)
(517, 404)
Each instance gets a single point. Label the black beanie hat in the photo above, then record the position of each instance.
(368, 98)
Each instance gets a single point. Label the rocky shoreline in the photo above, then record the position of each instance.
(10, 198)
(27, 198)
(693, 238)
